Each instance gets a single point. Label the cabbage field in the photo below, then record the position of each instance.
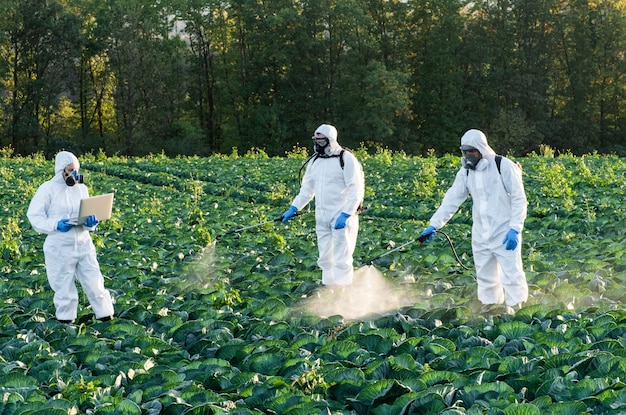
(219, 308)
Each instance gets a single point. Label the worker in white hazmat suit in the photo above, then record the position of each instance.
(334, 177)
(498, 215)
(68, 249)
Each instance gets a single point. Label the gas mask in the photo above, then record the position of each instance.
(74, 178)
(320, 145)
(471, 160)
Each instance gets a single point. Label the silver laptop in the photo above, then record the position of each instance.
(100, 205)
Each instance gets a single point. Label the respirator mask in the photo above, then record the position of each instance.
(471, 158)
(320, 145)
(73, 178)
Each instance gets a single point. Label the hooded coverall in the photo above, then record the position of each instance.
(499, 204)
(68, 255)
(336, 190)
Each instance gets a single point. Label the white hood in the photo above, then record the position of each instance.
(476, 139)
(329, 132)
(63, 159)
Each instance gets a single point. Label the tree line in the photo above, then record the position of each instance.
(134, 77)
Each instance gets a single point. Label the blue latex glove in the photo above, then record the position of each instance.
(289, 213)
(429, 233)
(63, 225)
(340, 223)
(511, 239)
(91, 221)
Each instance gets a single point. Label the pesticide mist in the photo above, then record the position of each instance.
(370, 293)
(200, 271)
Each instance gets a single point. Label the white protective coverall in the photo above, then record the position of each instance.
(69, 255)
(499, 204)
(336, 190)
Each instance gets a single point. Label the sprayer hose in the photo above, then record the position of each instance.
(453, 250)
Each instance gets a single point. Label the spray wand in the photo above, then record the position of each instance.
(245, 228)
(421, 241)
(360, 210)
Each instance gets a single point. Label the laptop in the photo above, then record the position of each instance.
(101, 206)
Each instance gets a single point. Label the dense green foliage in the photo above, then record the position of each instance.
(199, 77)
(212, 321)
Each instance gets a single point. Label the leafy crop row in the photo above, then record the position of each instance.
(212, 321)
